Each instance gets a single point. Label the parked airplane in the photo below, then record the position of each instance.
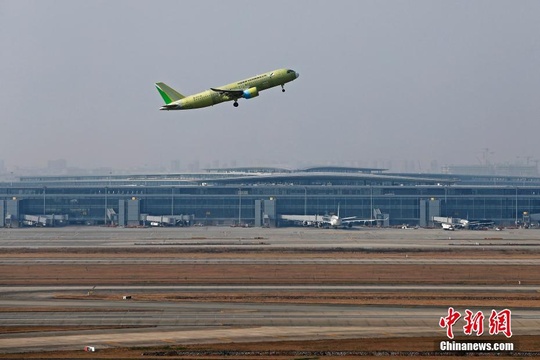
(477, 224)
(327, 221)
(449, 223)
(247, 89)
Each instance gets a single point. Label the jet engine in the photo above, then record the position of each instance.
(250, 93)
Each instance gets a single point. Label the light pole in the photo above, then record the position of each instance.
(172, 201)
(239, 206)
(516, 221)
(44, 190)
(371, 202)
(305, 200)
(106, 191)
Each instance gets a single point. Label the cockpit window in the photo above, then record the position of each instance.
(290, 71)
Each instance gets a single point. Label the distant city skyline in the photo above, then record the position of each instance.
(527, 166)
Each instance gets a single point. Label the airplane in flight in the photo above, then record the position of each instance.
(247, 89)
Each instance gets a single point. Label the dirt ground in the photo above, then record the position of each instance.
(282, 274)
(179, 274)
(370, 348)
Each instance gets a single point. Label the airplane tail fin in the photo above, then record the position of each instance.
(168, 93)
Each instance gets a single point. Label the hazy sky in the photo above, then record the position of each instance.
(381, 82)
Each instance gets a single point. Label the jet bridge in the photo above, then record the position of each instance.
(44, 220)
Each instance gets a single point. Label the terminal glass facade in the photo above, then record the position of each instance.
(230, 203)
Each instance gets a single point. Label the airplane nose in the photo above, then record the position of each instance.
(297, 75)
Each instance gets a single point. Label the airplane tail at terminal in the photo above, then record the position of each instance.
(168, 93)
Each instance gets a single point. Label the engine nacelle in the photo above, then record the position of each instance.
(250, 93)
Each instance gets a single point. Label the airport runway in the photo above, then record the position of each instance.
(258, 239)
(145, 323)
(26, 293)
(149, 323)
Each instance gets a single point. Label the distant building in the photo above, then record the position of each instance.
(259, 196)
(56, 166)
(175, 166)
(492, 169)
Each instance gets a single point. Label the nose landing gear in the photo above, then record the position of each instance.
(282, 88)
(235, 103)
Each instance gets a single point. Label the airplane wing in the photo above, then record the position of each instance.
(476, 224)
(301, 217)
(233, 93)
(351, 222)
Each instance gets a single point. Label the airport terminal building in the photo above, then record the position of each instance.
(260, 196)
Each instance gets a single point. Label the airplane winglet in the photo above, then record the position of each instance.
(168, 94)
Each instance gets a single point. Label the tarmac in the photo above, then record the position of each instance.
(120, 323)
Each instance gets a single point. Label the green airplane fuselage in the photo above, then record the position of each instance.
(247, 89)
